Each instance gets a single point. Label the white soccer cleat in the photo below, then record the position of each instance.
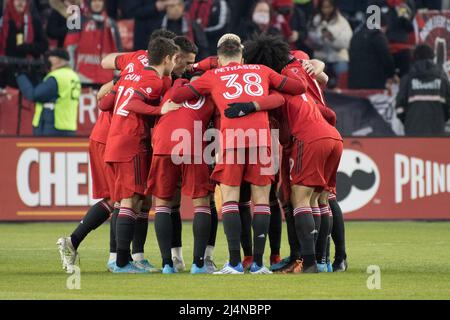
(68, 253)
(178, 263)
(255, 269)
(228, 269)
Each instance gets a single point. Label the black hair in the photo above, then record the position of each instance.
(186, 45)
(230, 48)
(159, 48)
(271, 51)
(334, 13)
(163, 33)
(423, 52)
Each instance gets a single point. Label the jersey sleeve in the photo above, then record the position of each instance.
(286, 84)
(195, 89)
(107, 102)
(150, 89)
(205, 64)
(122, 60)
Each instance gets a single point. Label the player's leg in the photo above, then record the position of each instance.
(260, 224)
(177, 227)
(140, 237)
(163, 179)
(324, 231)
(246, 223)
(112, 236)
(314, 204)
(338, 235)
(304, 225)
(201, 228)
(130, 184)
(96, 215)
(209, 261)
(275, 227)
(232, 225)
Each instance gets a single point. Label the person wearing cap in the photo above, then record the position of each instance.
(56, 97)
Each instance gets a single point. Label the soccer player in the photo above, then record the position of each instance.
(102, 177)
(232, 83)
(275, 53)
(172, 164)
(128, 144)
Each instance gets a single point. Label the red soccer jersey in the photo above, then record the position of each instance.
(195, 113)
(101, 128)
(295, 66)
(239, 83)
(134, 62)
(305, 120)
(129, 131)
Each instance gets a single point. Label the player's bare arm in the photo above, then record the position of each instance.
(109, 61)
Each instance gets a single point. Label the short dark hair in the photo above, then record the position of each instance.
(163, 33)
(186, 45)
(271, 51)
(230, 48)
(159, 48)
(423, 52)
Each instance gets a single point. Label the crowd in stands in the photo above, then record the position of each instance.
(334, 31)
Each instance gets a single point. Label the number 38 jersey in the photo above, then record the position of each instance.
(191, 119)
(129, 133)
(240, 83)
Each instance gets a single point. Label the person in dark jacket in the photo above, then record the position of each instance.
(21, 36)
(213, 16)
(148, 15)
(423, 101)
(179, 22)
(371, 63)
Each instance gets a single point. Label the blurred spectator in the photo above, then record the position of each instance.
(291, 22)
(371, 63)
(423, 102)
(57, 97)
(21, 36)
(57, 21)
(260, 21)
(98, 37)
(148, 15)
(305, 6)
(400, 15)
(429, 4)
(179, 22)
(21, 32)
(239, 10)
(213, 16)
(353, 10)
(330, 35)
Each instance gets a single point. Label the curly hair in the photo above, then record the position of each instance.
(271, 51)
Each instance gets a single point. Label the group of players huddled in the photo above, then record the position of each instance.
(172, 127)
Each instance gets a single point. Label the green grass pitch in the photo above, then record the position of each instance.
(413, 257)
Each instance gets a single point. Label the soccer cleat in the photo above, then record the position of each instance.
(322, 267)
(178, 263)
(197, 270)
(228, 269)
(310, 269)
(145, 264)
(329, 267)
(210, 265)
(283, 263)
(340, 265)
(130, 267)
(255, 269)
(169, 270)
(295, 266)
(247, 262)
(110, 265)
(275, 259)
(68, 253)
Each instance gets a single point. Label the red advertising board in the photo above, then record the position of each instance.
(379, 179)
